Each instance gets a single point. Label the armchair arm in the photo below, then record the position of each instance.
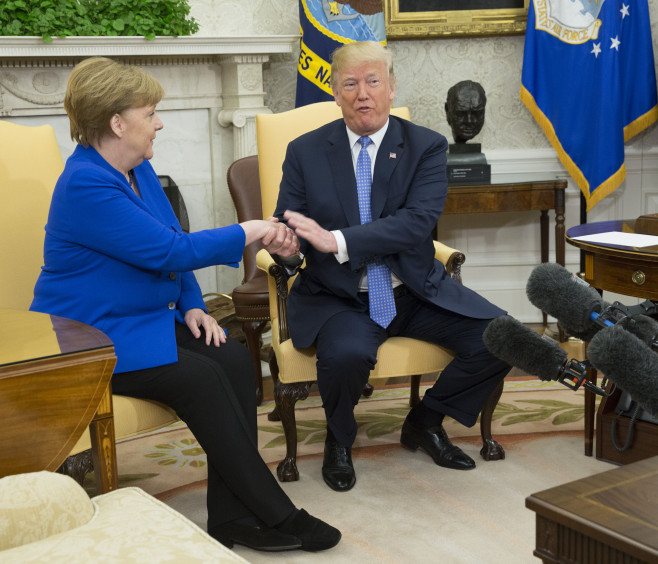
(264, 260)
(451, 258)
(278, 282)
(277, 286)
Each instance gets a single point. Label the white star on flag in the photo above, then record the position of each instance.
(596, 49)
(624, 11)
(614, 43)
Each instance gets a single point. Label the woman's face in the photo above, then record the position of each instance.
(140, 126)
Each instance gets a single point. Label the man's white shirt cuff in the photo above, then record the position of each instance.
(341, 255)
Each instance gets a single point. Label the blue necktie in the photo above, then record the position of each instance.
(380, 288)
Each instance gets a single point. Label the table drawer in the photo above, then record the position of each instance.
(631, 277)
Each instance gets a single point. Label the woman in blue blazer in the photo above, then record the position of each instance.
(115, 257)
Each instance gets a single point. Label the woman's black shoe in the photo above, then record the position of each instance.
(257, 536)
(315, 534)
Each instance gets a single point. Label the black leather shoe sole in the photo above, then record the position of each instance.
(265, 539)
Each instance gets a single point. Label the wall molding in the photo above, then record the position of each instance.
(15, 50)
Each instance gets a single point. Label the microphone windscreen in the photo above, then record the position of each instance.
(511, 341)
(558, 292)
(629, 363)
(643, 327)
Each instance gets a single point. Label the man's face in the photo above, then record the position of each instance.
(364, 95)
(465, 114)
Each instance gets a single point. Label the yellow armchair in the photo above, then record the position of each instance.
(30, 163)
(293, 370)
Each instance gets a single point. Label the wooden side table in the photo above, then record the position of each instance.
(54, 382)
(632, 272)
(504, 195)
(609, 518)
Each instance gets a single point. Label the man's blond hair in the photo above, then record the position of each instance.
(360, 52)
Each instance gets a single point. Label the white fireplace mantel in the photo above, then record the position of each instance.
(33, 73)
(14, 49)
(213, 91)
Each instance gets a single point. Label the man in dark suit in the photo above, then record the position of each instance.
(363, 194)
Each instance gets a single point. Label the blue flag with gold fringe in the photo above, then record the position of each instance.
(326, 25)
(589, 81)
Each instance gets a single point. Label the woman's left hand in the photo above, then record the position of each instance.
(196, 318)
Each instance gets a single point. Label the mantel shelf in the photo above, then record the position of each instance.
(35, 48)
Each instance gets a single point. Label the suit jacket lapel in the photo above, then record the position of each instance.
(388, 156)
(340, 157)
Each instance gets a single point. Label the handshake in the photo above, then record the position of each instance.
(279, 239)
(276, 238)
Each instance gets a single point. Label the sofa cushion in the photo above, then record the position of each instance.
(40, 504)
(126, 526)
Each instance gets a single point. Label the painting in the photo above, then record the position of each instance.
(435, 19)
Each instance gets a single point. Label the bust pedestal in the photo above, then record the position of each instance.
(467, 165)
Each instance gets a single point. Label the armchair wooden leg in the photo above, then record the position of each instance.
(253, 331)
(286, 396)
(414, 391)
(491, 450)
(103, 445)
(274, 371)
(78, 466)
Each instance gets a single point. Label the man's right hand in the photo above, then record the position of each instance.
(309, 229)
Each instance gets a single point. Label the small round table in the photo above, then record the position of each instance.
(631, 271)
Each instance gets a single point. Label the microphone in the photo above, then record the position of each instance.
(539, 355)
(580, 309)
(644, 328)
(629, 363)
(573, 302)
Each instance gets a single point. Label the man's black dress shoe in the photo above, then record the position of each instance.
(337, 468)
(257, 536)
(435, 442)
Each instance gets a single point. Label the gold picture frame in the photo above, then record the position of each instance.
(474, 21)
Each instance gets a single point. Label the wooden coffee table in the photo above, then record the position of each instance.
(54, 383)
(608, 518)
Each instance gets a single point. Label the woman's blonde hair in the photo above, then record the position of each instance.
(358, 53)
(98, 88)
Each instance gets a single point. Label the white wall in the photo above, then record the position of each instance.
(501, 249)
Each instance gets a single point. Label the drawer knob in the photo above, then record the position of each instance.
(638, 277)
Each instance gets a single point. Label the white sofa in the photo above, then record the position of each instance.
(48, 518)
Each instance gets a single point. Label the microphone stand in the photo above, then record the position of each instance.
(583, 220)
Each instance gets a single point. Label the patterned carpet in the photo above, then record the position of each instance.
(403, 509)
(171, 457)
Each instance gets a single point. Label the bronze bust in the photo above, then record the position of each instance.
(465, 110)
